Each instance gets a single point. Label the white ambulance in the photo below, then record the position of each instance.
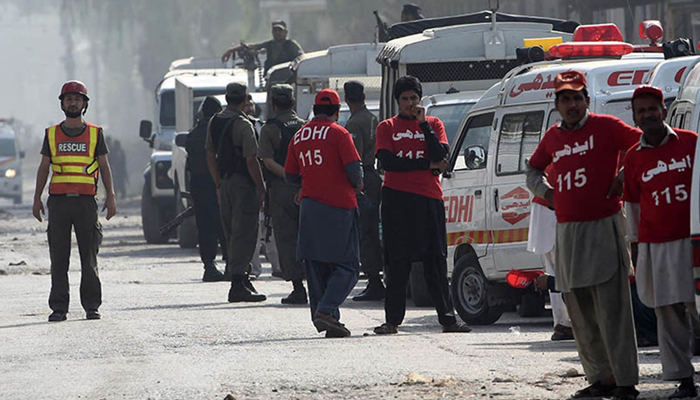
(487, 203)
(10, 163)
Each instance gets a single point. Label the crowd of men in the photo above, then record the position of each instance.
(319, 183)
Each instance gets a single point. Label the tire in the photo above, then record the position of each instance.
(151, 217)
(470, 293)
(419, 289)
(187, 236)
(531, 305)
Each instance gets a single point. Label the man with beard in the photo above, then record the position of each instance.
(75, 150)
(658, 176)
(592, 258)
(278, 50)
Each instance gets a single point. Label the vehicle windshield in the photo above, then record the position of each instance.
(451, 116)
(167, 104)
(478, 132)
(7, 147)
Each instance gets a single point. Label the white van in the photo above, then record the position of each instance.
(10, 164)
(487, 203)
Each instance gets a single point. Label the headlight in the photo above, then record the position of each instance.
(10, 173)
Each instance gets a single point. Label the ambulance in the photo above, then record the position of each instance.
(685, 114)
(10, 163)
(487, 203)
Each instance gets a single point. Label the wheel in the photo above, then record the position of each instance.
(470, 293)
(531, 305)
(187, 236)
(151, 217)
(419, 289)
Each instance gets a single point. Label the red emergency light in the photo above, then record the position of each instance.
(651, 30)
(597, 33)
(590, 49)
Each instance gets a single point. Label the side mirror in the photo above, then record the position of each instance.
(181, 140)
(475, 157)
(145, 130)
(22, 154)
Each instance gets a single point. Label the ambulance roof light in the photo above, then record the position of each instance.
(590, 49)
(651, 30)
(597, 33)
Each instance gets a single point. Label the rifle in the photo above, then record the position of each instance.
(382, 29)
(268, 217)
(167, 228)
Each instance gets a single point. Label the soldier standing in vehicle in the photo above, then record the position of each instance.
(203, 190)
(658, 177)
(279, 50)
(75, 150)
(412, 148)
(275, 137)
(324, 160)
(362, 126)
(592, 258)
(231, 157)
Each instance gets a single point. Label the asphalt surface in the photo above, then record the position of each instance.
(167, 335)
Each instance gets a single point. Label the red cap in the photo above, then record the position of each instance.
(569, 80)
(521, 279)
(648, 90)
(327, 97)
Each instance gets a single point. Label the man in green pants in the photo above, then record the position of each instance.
(274, 143)
(75, 150)
(231, 157)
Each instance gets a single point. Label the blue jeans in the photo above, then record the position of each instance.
(329, 285)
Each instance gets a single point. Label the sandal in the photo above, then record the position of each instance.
(386, 329)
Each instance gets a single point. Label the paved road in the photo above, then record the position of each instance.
(166, 335)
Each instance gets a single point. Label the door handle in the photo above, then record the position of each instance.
(477, 193)
(495, 199)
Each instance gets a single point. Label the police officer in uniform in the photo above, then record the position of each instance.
(274, 142)
(231, 156)
(278, 50)
(206, 204)
(75, 150)
(362, 126)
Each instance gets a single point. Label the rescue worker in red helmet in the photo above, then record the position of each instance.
(76, 153)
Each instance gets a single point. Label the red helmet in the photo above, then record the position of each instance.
(76, 87)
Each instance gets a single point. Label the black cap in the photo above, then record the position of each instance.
(412, 9)
(354, 88)
(279, 24)
(282, 92)
(210, 106)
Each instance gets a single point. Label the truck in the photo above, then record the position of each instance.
(158, 193)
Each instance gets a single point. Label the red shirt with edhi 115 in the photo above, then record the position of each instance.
(404, 138)
(319, 153)
(659, 179)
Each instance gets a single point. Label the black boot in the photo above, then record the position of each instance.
(240, 292)
(373, 292)
(212, 274)
(686, 389)
(298, 295)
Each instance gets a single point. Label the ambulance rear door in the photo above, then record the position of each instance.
(518, 133)
(464, 187)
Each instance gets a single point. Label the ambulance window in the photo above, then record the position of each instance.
(167, 108)
(477, 132)
(518, 139)
(621, 109)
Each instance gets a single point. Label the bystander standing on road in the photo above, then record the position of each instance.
(362, 126)
(323, 158)
(75, 151)
(412, 148)
(592, 258)
(658, 177)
